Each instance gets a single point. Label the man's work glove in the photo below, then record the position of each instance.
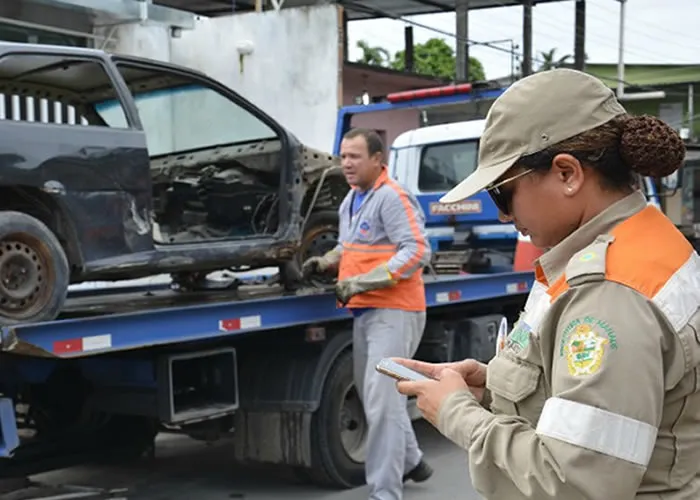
(320, 265)
(377, 278)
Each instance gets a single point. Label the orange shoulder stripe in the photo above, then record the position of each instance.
(646, 252)
(415, 230)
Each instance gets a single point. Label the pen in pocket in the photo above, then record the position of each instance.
(502, 335)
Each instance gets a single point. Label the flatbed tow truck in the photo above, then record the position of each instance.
(263, 364)
(270, 368)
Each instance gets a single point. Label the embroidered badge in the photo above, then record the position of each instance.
(363, 230)
(519, 338)
(584, 342)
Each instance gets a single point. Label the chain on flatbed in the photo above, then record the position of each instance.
(26, 489)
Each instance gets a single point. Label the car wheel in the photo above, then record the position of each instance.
(34, 272)
(320, 236)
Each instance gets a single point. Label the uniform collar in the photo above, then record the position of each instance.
(382, 179)
(551, 265)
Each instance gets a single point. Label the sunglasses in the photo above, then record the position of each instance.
(502, 198)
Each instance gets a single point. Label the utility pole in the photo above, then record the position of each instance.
(580, 36)
(621, 95)
(621, 52)
(462, 52)
(526, 67)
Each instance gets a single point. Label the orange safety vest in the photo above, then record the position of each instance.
(360, 256)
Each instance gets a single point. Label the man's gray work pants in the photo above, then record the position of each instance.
(392, 448)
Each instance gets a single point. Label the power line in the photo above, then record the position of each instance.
(389, 15)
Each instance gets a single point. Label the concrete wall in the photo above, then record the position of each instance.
(292, 73)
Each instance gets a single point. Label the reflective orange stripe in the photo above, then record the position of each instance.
(415, 230)
(363, 247)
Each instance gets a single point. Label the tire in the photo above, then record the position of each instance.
(333, 465)
(27, 244)
(320, 236)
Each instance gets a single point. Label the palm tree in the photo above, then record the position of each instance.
(550, 62)
(376, 56)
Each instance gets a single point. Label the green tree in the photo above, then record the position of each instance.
(550, 61)
(436, 58)
(375, 56)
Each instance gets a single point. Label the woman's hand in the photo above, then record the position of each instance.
(449, 378)
(472, 372)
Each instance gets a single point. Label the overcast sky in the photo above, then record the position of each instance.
(657, 32)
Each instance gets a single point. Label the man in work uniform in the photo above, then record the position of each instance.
(381, 254)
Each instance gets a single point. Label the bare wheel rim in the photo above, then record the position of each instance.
(26, 276)
(353, 425)
(316, 243)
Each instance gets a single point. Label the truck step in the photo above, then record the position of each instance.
(199, 385)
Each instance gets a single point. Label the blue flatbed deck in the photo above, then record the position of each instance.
(97, 323)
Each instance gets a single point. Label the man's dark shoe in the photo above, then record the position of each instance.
(419, 473)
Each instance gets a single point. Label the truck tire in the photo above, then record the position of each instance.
(34, 270)
(320, 236)
(338, 431)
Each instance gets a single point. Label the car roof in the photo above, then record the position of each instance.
(88, 52)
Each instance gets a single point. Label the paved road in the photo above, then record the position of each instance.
(185, 470)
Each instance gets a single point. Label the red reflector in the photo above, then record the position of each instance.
(65, 346)
(454, 295)
(229, 325)
(412, 95)
(242, 323)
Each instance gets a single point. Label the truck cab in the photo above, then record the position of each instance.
(430, 161)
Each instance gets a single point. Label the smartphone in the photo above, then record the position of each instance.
(399, 372)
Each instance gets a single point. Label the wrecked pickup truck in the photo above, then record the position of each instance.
(115, 167)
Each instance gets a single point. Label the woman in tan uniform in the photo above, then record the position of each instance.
(596, 393)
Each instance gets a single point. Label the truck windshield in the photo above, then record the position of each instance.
(444, 165)
(187, 118)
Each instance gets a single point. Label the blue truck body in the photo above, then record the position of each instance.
(278, 348)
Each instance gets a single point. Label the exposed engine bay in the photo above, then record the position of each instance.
(222, 193)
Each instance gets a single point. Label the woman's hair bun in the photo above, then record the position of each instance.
(651, 147)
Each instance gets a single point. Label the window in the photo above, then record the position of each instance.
(445, 165)
(11, 33)
(181, 114)
(51, 88)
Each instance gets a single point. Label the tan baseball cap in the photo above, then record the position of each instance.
(534, 113)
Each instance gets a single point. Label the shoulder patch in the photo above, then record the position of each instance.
(584, 342)
(589, 263)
